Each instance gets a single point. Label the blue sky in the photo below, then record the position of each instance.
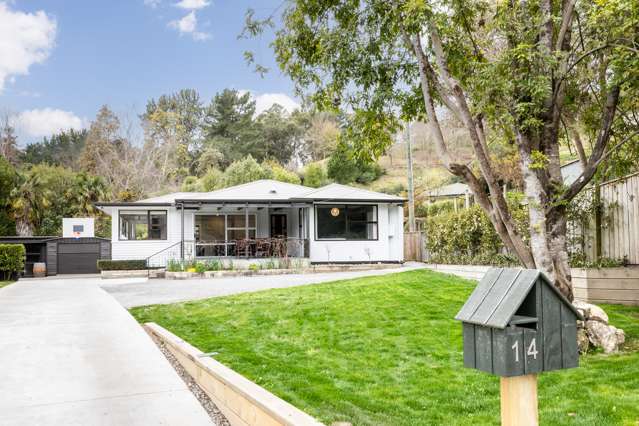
(75, 55)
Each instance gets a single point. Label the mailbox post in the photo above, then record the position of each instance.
(516, 324)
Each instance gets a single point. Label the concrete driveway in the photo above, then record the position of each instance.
(140, 292)
(71, 355)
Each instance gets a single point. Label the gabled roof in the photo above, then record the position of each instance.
(449, 190)
(264, 189)
(337, 192)
(499, 295)
(169, 198)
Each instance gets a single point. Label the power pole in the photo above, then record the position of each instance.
(411, 188)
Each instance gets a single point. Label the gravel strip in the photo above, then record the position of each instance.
(214, 413)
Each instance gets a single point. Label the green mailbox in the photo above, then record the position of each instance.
(516, 323)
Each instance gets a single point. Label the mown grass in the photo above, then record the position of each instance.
(386, 351)
(5, 283)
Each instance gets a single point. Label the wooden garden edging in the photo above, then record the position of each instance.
(242, 402)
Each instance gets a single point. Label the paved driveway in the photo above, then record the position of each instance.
(140, 292)
(71, 355)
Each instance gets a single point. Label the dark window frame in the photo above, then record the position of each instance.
(345, 207)
(148, 224)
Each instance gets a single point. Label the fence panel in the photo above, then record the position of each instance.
(414, 246)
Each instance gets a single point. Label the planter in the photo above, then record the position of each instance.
(39, 270)
(607, 285)
(181, 275)
(137, 273)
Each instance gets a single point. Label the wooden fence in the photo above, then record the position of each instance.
(414, 246)
(613, 232)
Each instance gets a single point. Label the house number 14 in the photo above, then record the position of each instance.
(532, 349)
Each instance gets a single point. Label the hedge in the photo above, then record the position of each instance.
(12, 257)
(121, 265)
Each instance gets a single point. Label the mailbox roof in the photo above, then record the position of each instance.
(499, 295)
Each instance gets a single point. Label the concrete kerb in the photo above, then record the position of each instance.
(240, 400)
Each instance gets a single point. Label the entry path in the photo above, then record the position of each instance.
(71, 355)
(131, 293)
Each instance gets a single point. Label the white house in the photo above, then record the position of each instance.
(265, 218)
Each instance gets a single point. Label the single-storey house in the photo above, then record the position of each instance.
(264, 218)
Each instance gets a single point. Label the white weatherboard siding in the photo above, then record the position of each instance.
(142, 249)
(387, 248)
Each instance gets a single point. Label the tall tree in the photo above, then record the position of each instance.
(61, 149)
(172, 126)
(8, 140)
(229, 125)
(509, 71)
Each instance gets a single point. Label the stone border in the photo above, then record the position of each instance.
(241, 401)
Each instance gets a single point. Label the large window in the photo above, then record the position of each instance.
(142, 225)
(346, 222)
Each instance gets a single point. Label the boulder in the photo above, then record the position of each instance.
(597, 314)
(583, 343)
(607, 337)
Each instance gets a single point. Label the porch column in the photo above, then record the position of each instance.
(246, 229)
(182, 232)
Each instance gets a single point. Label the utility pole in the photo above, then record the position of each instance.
(411, 188)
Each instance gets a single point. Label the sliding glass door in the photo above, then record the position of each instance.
(216, 235)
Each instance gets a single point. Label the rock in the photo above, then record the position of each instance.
(583, 343)
(604, 336)
(590, 311)
(621, 337)
(597, 314)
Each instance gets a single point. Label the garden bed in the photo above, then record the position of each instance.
(386, 351)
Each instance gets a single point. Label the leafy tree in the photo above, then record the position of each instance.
(8, 181)
(211, 157)
(46, 194)
(510, 71)
(229, 126)
(314, 175)
(172, 127)
(279, 135)
(244, 171)
(62, 149)
(321, 136)
(345, 168)
(280, 173)
(211, 180)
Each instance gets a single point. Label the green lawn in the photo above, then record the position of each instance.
(386, 351)
(5, 283)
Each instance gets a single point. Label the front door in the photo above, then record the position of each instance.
(278, 226)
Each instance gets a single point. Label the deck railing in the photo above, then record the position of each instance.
(243, 248)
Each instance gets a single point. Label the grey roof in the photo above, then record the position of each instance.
(337, 192)
(264, 189)
(451, 190)
(571, 171)
(500, 293)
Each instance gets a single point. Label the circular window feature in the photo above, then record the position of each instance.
(334, 212)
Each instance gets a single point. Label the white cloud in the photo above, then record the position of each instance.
(25, 39)
(188, 25)
(192, 4)
(45, 122)
(267, 100)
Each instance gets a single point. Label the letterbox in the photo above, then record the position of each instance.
(516, 322)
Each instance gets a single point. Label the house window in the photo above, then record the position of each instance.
(236, 226)
(346, 222)
(143, 225)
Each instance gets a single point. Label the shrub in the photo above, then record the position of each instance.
(122, 265)
(254, 267)
(12, 257)
(174, 265)
(280, 173)
(244, 171)
(314, 175)
(200, 267)
(213, 265)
